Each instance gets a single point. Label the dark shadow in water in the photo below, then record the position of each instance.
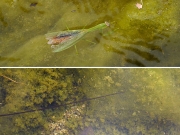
(146, 55)
(2, 20)
(11, 59)
(97, 6)
(109, 48)
(135, 47)
(135, 44)
(134, 62)
(150, 46)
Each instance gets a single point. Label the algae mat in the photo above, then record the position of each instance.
(136, 37)
(147, 102)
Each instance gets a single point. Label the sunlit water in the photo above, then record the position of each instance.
(148, 103)
(136, 37)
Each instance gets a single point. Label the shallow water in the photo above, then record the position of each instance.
(147, 103)
(136, 37)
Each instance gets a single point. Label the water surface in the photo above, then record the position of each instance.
(136, 37)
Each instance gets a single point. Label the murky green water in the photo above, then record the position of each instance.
(148, 102)
(136, 37)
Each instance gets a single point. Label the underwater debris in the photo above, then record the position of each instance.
(33, 4)
(62, 125)
(9, 78)
(139, 5)
(63, 40)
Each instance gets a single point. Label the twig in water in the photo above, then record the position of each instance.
(9, 79)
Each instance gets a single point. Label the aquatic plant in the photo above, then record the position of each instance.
(148, 105)
(40, 89)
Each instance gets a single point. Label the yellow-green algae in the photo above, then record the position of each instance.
(31, 90)
(145, 37)
(148, 102)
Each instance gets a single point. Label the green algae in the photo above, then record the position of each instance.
(35, 89)
(145, 37)
(148, 102)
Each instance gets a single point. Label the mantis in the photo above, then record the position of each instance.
(63, 40)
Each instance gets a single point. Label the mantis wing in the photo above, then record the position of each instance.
(63, 40)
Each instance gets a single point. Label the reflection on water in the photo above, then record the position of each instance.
(145, 37)
(81, 101)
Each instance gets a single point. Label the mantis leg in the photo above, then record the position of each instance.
(90, 41)
(76, 50)
(84, 26)
(74, 45)
(111, 32)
